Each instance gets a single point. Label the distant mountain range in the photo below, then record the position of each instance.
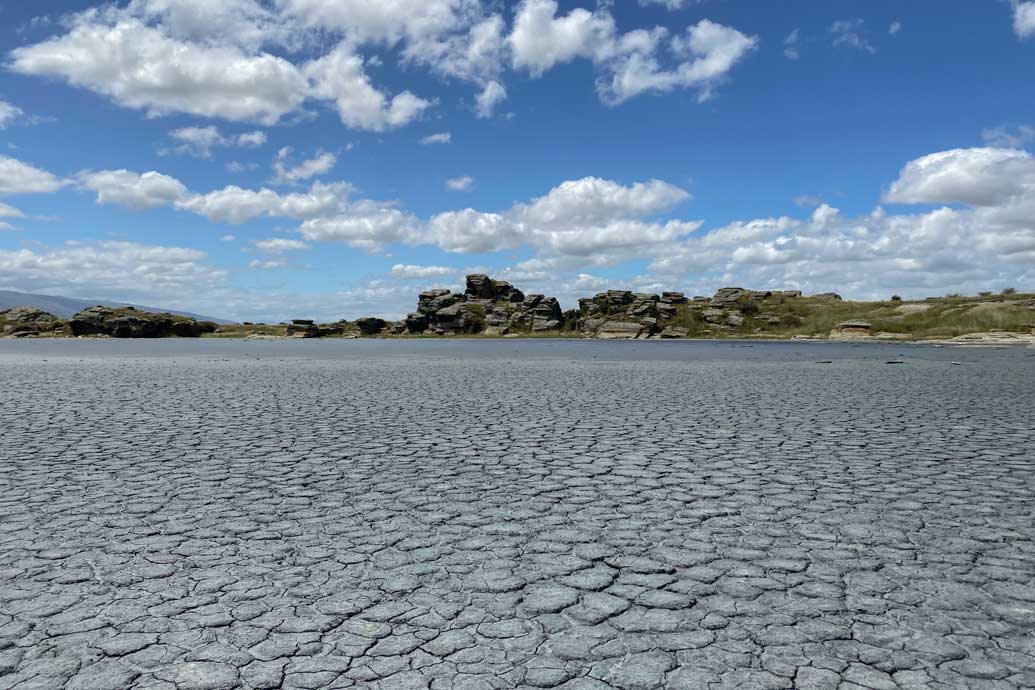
(67, 306)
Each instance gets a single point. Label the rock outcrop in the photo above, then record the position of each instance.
(492, 307)
(675, 332)
(370, 325)
(26, 322)
(27, 315)
(615, 330)
(625, 314)
(307, 328)
(127, 322)
(730, 296)
(847, 330)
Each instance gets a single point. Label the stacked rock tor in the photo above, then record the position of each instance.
(492, 307)
(624, 314)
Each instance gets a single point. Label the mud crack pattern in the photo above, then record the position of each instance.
(428, 522)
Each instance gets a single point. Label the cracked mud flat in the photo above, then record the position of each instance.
(584, 516)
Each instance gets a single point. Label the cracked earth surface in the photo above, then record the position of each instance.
(579, 520)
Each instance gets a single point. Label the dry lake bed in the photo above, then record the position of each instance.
(515, 514)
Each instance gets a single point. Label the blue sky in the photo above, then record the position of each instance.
(267, 159)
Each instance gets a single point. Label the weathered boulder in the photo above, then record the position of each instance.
(431, 301)
(712, 315)
(735, 319)
(673, 297)
(729, 296)
(370, 325)
(852, 329)
(479, 286)
(450, 318)
(544, 316)
(416, 323)
(643, 305)
(482, 287)
(505, 292)
(615, 330)
(827, 297)
(675, 332)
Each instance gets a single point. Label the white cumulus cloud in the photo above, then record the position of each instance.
(139, 66)
(340, 77)
(365, 225)
(135, 191)
(577, 218)
(237, 205)
(978, 177)
(17, 177)
(630, 63)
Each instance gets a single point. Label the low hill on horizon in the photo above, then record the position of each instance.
(65, 307)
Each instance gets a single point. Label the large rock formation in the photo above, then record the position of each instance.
(25, 322)
(492, 307)
(624, 314)
(127, 322)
